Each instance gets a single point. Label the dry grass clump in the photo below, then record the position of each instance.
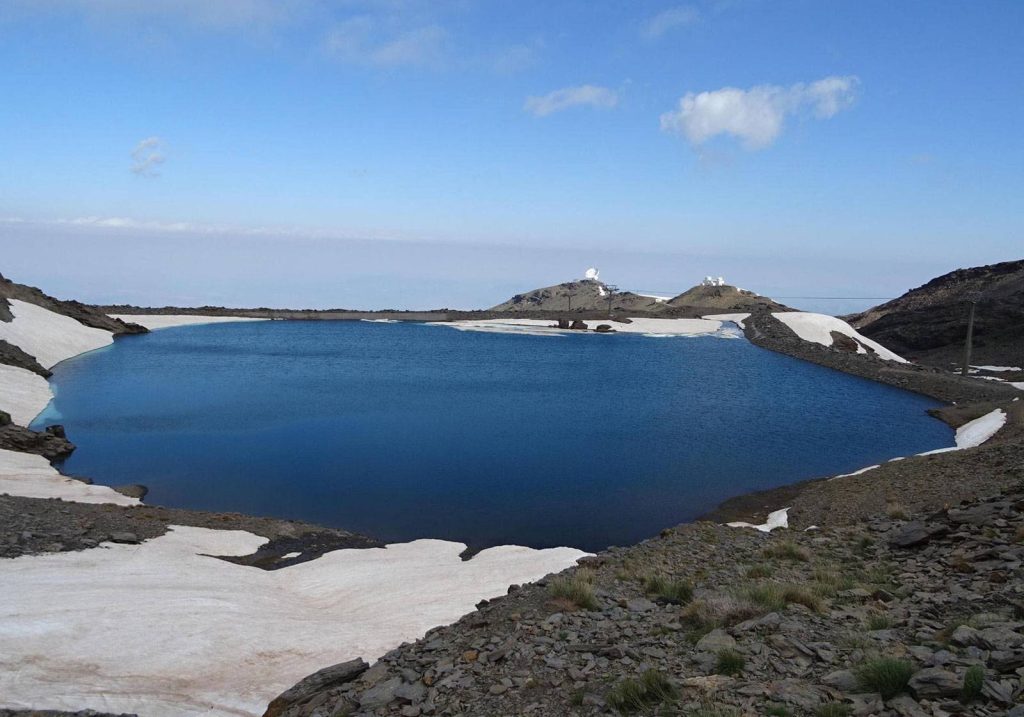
(633, 695)
(787, 550)
(755, 572)
(718, 610)
(829, 580)
(878, 621)
(885, 675)
(896, 512)
(674, 592)
(575, 591)
(774, 597)
(730, 663)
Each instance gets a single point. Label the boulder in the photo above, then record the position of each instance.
(132, 490)
(604, 329)
(314, 684)
(578, 325)
(933, 682)
(915, 534)
(715, 641)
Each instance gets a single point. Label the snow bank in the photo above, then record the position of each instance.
(162, 321)
(816, 328)
(998, 368)
(737, 319)
(647, 327)
(974, 433)
(163, 629)
(49, 336)
(776, 519)
(23, 394)
(32, 476)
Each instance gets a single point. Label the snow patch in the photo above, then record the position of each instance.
(31, 476)
(737, 319)
(974, 433)
(48, 336)
(167, 321)
(776, 519)
(78, 629)
(816, 328)
(998, 368)
(23, 394)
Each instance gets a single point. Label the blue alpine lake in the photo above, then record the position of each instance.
(404, 431)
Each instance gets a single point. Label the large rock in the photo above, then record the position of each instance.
(715, 641)
(933, 682)
(916, 533)
(311, 686)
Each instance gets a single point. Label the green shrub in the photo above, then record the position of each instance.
(777, 711)
(676, 592)
(576, 591)
(635, 695)
(974, 680)
(787, 550)
(730, 662)
(885, 675)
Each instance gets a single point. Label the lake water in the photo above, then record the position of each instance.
(403, 431)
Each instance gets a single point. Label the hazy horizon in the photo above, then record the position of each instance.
(410, 154)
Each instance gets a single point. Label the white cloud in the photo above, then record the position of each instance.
(583, 95)
(669, 20)
(756, 116)
(147, 156)
(366, 40)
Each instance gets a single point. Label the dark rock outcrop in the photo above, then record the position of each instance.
(930, 322)
(83, 313)
(295, 698)
(50, 443)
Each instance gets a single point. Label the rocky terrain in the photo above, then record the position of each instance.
(929, 323)
(723, 299)
(83, 313)
(906, 614)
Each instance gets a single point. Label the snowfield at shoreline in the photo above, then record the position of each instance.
(163, 629)
(645, 327)
(817, 328)
(169, 321)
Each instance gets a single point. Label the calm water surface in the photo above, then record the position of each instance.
(404, 431)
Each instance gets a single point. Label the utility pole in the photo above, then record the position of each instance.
(973, 299)
(611, 289)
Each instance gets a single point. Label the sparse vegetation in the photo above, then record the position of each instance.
(761, 570)
(974, 680)
(713, 710)
(777, 711)
(829, 580)
(896, 511)
(574, 592)
(676, 592)
(878, 621)
(833, 709)
(776, 596)
(730, 662)
(885, 675)
(632, 695)
(787, 550)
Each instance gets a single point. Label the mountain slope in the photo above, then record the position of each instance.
(584, 295)
(724, 298)
(930, 322)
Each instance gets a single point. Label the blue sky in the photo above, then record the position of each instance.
(407, 154)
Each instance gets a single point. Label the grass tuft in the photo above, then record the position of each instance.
(755, 572)
(575, 591)
(787, 550)
(730, 662)
(774, 597)
(777, 711)
(896, 511)
(885, 675)
(675, 592)
(635, 695)
(974, 680)
(878, 621)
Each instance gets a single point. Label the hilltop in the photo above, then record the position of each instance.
(929, 323)
(591, 294)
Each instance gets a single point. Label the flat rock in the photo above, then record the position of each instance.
(310, 686)
(933, 682)
(715, 641)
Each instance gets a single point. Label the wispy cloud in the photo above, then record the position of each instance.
(147, 157)
(367, 40)
(757, 116)
(563, 99)
(668, 20)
